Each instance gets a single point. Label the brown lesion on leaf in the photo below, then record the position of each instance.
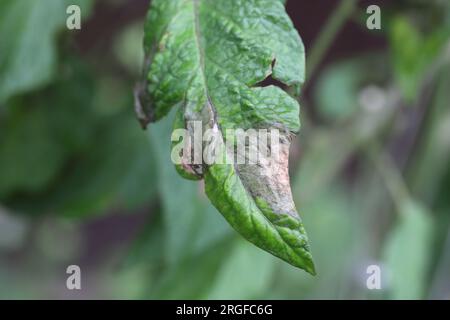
(269, 179)
(142, 104)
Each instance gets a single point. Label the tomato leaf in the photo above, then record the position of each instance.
(207, 58)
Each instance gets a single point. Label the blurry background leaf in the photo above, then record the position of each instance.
(413, 52)
(26, 60)
(37, 134)
(433, 154)
(245, 274)
(128, 48)
(77, 154)
(407, 252)
(339, 85)
(192, 277)
(192, 223)
(328, 150)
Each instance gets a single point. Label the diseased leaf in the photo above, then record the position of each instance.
(207, 57)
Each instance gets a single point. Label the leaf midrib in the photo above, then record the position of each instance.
(201, 53)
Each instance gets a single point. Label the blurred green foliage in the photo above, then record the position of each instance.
(27, 60)
(81, 183)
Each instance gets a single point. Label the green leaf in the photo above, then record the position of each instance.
(339, 85)
(202, 268)
(207, 57)
(146, 248)
(413, 52)
(38, 132)
(99, 181)
(127, 46)
(408, 252)
(62, 153)
(433, 157)
(27, 51)
(245, 284)
(171, 282)
(329, 207)
(16, 152)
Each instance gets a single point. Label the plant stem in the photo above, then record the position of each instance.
(328, 34)
(391, 176)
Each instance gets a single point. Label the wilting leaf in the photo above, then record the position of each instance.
(207, 57)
